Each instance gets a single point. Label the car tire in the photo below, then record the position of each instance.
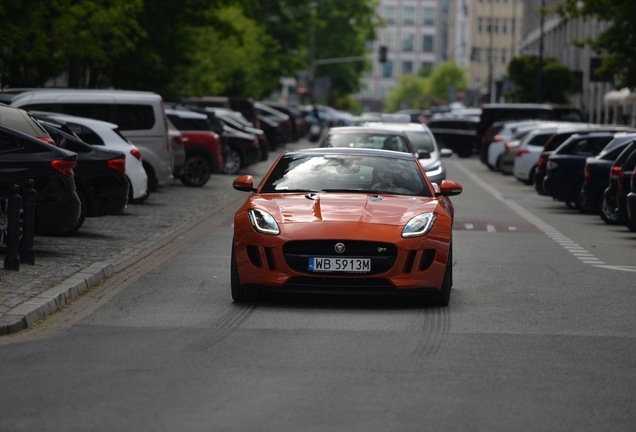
(442, 297)
(607, 214)
(196, 170)
(530, 180)
(83, 212)
(232, 162)
(239, 292)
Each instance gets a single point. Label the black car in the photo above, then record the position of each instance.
(272, 130)
(282, 119)
(238, 122)
(565, 168)
(295, 116)
(620, 184)
(100, 174)
(458, 134)
(631, 199)
(23, 157)
(239, 150)
(597, 170)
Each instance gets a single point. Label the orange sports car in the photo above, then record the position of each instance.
(344, 220)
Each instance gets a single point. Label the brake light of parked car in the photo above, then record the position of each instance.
(506, 147)
(118, 164)
(521, 152)
(257, 124)
(547, 143)
(47, 140)
(497, 138)
(64, 166)
(586, 170)
(542, 162)
(255, 144)
(616, 173)
(136, 153)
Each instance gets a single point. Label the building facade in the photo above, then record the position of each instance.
(558, 37)
(417, 37)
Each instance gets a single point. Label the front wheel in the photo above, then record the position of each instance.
(239, 292)
(232, 162)
(442, 297)
(196, 171)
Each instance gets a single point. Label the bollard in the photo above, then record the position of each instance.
(27, 253)
(12, 260)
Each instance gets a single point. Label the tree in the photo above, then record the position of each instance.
(617, 41)
(523, 72)
(409, 93)
(445, 75)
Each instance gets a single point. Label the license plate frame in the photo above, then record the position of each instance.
(339, 265)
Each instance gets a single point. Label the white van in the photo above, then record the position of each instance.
(139, 115)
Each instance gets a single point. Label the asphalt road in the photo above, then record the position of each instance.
(539, 336)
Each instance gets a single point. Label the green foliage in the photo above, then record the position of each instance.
(445, 75)
(617, 43)
(523, 72)
(409, 93)
(418, 91)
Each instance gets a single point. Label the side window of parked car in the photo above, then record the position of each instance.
(85, 134)
(89, 110)
(134, 117)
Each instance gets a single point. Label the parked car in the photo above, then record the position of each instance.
(100, 179)
(631, 200)
(458, 134)
(272, 131)
(202, 146)
(295, 116)
(530, 149)
(240, 149)
(620, 184)
(239, 104)
(235, 120)
(23, 157)
(21, 120)
(565, 168)
(107, 135)
(505, 162)
(503, 131)
(597, 170)
(281, 118)
(139, 115)
(178, 151)
(559, 138)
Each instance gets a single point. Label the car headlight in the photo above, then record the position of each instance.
(263, 222)
(420, 225)
(434, 169)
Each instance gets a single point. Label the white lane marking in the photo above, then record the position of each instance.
(490, 228)
(511, 228)
(547, 229)
(469, 226)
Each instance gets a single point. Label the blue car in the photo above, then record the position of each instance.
(565, 168)
(597, 172)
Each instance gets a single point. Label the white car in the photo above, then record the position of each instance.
(421, 138)
(97, 132)
(497, 148)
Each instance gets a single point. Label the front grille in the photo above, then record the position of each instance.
(382, 255)
(336, 284)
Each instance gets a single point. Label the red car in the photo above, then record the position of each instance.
(344, 220)
(202, 146)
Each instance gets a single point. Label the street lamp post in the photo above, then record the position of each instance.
(540, 67)
(490, 52)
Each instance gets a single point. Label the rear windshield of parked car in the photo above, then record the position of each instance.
(385, 141)
(189, 124)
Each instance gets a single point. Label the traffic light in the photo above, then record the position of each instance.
(383, 52)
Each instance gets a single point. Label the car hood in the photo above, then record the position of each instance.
(343, 207)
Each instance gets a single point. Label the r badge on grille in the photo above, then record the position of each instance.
(339, 247)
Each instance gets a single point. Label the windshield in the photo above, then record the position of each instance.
(345, 173)
(375, 140)
(421, 140)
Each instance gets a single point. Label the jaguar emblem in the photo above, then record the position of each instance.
(339, 247)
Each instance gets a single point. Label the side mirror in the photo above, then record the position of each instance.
(445, 152)
(449, 188)
(423, 154)
(244, 183)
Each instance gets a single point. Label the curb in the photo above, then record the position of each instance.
(23, 316)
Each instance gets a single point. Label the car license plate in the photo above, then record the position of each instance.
(349, 265)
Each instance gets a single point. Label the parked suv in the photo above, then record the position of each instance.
(139, 115)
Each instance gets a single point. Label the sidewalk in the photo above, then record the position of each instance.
(65, 267)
